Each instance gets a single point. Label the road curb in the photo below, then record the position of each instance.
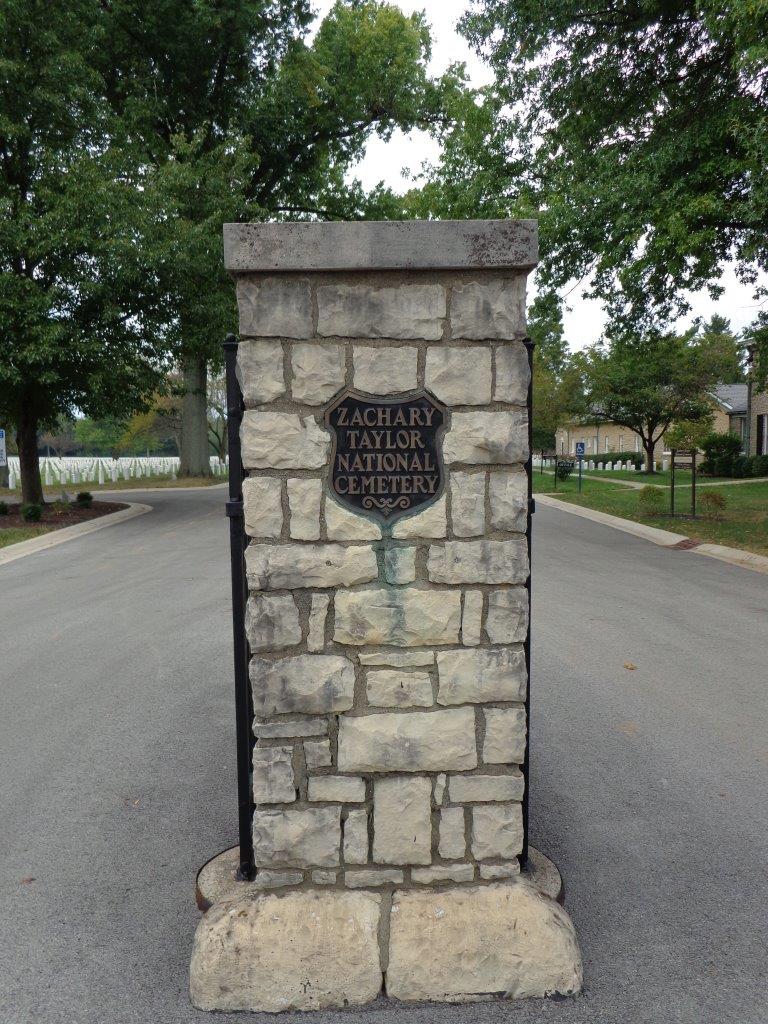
(55, 537)
(663, 538)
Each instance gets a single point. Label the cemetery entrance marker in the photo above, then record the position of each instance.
(380, 506)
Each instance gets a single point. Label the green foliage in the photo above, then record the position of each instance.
(647, 382)
(716, 446)
(652, 501)
(563, 469)
(688, 435)
(712, 504)
(98, 437)
(638, 130)
(31, 513)
(84, 499)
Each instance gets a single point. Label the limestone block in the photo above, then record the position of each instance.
(504, 741)
(282, 440)
(393, 688)
(318, 613)
(513, 374)
(497, 831)
(487, 438)
(323, 877)
(400, 565)
(356, 837)
(397, 659)
(292, 566)
(297, 838)
(484, 674)
(472, 618)
(304, 506)
(267, 952)
(291, 727)
(429, 523)
(508, 500)
(471, 942)
(489, 309)
(266, 879)
(468, 504)
(272, 622)
(494, 871)
(443, 873)
(402, 820)
(428, 741)
(384, 371)
(259, 371)
(439, 790)
(274, 307)
(507, 618)
(453, 839)
(485, 788)
(366, 878)
(317, 372)
(459, 377)
(360, 311)
(405, 618)
(261, 505)
(306, 684)
(344, 525)
(336, 788)
(273, 781)
(479, 561)
(317, 753)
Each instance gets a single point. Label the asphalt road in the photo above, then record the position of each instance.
(117, 773)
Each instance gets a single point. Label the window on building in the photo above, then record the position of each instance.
(606, 447)
(621, 442)
(762, 435)
(637, 443)
(596, 444)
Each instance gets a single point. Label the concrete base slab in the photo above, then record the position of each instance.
(504, 941)
(305, 949)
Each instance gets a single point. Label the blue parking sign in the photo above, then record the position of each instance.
(580, 448)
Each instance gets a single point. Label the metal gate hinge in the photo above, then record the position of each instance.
(532, 505)
(234, 508)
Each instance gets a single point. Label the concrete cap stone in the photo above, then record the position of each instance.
(381, 245)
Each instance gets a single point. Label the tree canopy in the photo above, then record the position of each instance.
(636, 132)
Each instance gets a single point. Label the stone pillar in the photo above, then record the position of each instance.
(385, 438)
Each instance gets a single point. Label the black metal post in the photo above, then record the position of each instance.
(243, 702)
(529, 344)
(580, 462)
(693, 483)
(673, 453)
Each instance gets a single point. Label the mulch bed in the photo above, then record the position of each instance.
(55, 518)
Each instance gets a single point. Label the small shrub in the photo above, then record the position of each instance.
(740, 468)
(717, 446)
(31, 513)
(712, 504)
(60, 506)
(3, 508)
(652, 500)
(84, 499)
(563, 469)
(760, 465)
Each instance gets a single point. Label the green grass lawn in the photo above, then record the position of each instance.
(18, 533)
(744, 522)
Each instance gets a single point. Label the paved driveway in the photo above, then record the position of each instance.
(117, 773)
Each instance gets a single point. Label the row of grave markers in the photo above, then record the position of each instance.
(72, 470)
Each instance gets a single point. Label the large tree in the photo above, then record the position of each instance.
(647, 383)
(77, 330)
(236, 116)
(636, 131)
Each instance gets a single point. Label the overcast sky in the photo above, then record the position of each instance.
(387, 162)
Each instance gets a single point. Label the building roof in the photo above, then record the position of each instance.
(733, 397)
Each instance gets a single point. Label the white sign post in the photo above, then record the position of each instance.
(3, 461)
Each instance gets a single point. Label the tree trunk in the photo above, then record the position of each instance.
(649, 466)
(29, 462)
(195, 459)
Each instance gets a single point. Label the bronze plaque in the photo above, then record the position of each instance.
(387, 452)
